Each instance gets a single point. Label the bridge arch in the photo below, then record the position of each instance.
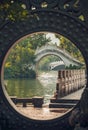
(54, 50)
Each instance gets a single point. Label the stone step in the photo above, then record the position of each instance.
(61, 105)
(53, 100)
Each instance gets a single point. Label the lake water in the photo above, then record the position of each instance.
(44, 85)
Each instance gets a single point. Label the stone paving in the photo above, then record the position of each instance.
(75, 95)
(46, 113)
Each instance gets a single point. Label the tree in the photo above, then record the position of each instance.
(12, 10)
(21, 59)
(70, 47)
(44, 64)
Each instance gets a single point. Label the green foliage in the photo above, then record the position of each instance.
(12, 10)
(70, 47)
(21, 59)
(72, 67)
(44, 63)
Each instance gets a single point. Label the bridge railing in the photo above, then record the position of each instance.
(69, 81)
(53, 48)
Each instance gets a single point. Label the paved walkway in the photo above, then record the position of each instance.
(46, 113)
(75, 95)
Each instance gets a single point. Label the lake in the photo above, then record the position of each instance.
(44, 85)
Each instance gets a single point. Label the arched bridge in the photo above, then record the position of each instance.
(54, 50)
(57, 65)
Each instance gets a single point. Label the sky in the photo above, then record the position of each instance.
(53, 38)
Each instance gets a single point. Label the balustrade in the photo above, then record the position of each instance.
(69, 81)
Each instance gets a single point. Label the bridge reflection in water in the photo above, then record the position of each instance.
(69, 86)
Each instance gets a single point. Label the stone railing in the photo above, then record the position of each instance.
(69, 81)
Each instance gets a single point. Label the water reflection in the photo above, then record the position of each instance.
(44, 85)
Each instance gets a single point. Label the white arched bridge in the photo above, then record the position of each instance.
(57, 65)
(61, 53)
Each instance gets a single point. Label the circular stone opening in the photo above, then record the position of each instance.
(41, 74)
